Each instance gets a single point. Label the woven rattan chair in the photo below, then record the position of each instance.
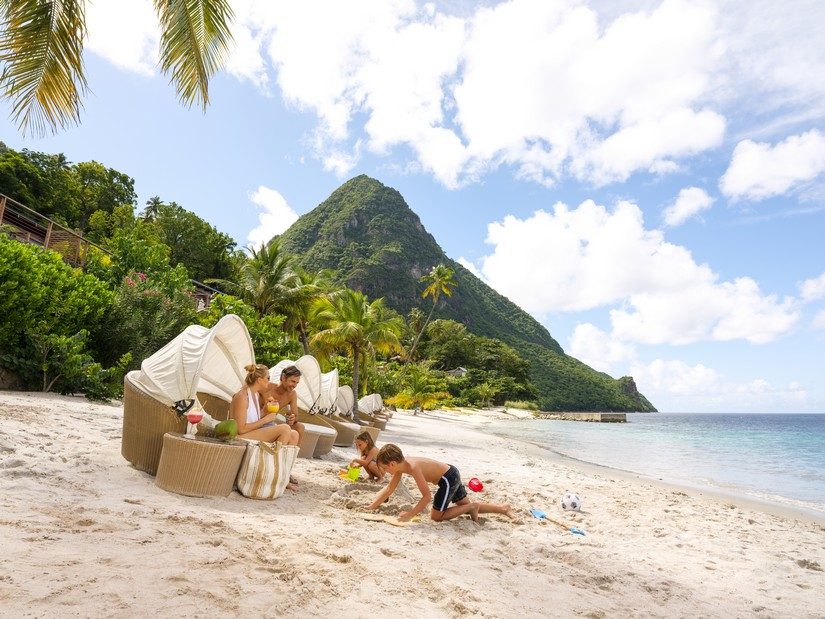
(145, 421)
(346, 431)
(325, 441)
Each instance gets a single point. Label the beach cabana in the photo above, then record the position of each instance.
(345, 409)
(347, 431)
(308, 392)
(368, 407)
(199, 363)
(345, 402)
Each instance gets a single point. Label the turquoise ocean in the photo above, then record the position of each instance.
(778, 458)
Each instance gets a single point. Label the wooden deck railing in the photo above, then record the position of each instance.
(29, 226)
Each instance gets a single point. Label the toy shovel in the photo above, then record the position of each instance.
(537, 513)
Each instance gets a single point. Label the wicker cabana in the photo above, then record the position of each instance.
(199, 363)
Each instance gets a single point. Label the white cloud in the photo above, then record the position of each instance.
(813, 289)
(759, 170)
(124, 32)
(705, 310)
(676, 386)
(545, 85)
(771, 54)
(470, 267)
(589, 257)
(275, 218)
(340, 162)
(819, 320)
(245, 61)
(691, 201)
(553, 88)
(644, 145)
(597, 349)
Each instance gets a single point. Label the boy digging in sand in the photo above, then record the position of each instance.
(445, 476)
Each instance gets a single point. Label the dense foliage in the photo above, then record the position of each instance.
(48, 310)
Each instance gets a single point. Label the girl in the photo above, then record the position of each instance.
(365, 445)
(246, 411)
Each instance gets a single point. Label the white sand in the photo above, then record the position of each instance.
(82, 533)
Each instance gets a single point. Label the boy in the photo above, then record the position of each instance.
(423, 470)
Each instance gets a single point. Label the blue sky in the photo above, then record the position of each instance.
(645, 178)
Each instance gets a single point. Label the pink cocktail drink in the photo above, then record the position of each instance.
(194, 418)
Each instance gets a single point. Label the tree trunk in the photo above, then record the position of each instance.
(420, 333)
(302, 335)
(356, 354)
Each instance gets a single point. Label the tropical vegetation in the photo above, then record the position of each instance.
(334, 286)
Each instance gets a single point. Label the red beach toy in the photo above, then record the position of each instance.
(475, 485)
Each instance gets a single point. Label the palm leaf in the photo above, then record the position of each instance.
(41, 50)
(194, 44)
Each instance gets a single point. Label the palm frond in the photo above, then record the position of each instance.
(194, 44)
(41, 50)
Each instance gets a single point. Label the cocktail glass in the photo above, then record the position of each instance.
(194, 417)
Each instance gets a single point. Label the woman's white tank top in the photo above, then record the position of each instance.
(253, 413)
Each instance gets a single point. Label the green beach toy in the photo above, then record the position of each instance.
(353, 473)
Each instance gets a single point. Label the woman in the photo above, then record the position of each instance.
(246, 411)
(283, 394)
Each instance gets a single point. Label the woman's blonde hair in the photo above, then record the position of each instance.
(254, 372)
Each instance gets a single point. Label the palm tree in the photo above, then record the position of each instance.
(41, 50)
(264, 279)
(486, 392)
(348, 321)
(421, 391)
(152, 209)
(305, 289)
(441, 281)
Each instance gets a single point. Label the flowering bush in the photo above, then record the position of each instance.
(143, 318)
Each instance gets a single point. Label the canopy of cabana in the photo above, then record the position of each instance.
(198, 360)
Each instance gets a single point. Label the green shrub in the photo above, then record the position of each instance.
(144, 317)
(48, 311)
(526, 405)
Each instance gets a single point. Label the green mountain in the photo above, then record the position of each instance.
(367, 234)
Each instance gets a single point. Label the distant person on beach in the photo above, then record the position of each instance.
(366, 447)
(246, 411)
(283, 396)
(445, 476)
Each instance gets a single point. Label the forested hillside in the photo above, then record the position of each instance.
(375, 243)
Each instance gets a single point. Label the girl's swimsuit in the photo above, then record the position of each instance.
(450, 490)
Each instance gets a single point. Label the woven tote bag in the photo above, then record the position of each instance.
(265, 469)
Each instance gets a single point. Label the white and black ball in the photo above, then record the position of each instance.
(571, 502)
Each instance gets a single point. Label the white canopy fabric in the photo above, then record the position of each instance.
(308, 389)
(345, 400)
(199, 359)
(371, 403)
(329, 390)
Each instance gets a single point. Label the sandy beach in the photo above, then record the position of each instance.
(85, 534)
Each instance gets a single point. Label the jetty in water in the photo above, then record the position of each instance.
(595, 417)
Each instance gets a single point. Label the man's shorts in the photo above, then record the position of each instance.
(450, 490)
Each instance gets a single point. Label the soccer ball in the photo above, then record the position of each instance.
(571, 502)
